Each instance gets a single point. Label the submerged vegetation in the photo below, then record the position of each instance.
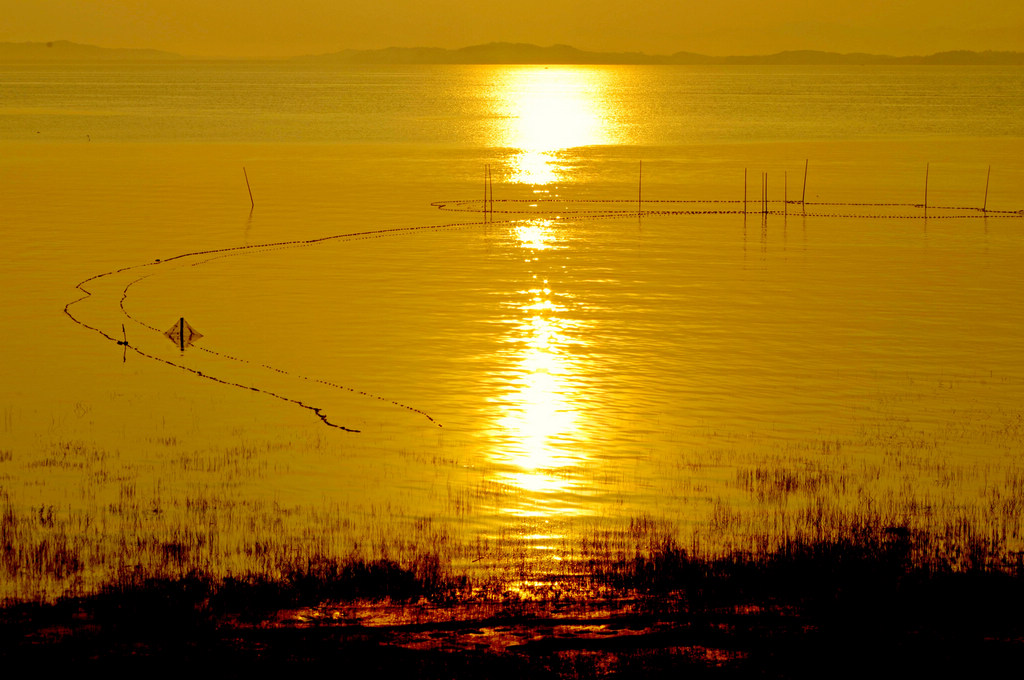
(790, 553)
(792, 563)
(194, 512)
(881, 594)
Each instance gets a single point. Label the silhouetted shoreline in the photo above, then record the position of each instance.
(519, 53)
(839, 607)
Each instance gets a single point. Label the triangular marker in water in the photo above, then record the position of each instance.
(182, 334)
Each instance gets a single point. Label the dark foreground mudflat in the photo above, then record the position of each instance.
(827, 611)
(534, 641)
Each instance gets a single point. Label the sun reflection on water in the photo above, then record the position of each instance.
(539, 442)
(540, 445)
(533, 235)
(549, 110)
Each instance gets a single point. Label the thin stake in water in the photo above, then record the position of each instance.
(984, 206)
(803, 196)
(927, 166)
(640, 191)
(764, 210)
(252, 203)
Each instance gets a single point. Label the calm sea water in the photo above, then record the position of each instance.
(524, 382)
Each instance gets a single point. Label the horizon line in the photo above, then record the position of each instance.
(418, 54)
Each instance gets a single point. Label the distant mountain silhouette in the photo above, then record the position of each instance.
(515, 53)
(492, 53)
(63, 50)
(519, 53)
(797, 57)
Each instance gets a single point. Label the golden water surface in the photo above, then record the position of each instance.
(574, 347)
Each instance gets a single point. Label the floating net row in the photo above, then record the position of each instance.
(558, 207)
(511, 210)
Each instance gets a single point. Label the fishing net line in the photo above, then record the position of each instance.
(587, 208)
(512, 211)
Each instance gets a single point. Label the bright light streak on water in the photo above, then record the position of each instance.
(549, 110)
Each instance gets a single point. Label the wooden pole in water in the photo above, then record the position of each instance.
(485, 192)
(181, 333)
(764, 192)
(490, 187)
(640, 191)
(927, 166)
(252, 203)
(984, 206)
(744, 191)
(803, 196)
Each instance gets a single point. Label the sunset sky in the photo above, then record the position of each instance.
(265, 28)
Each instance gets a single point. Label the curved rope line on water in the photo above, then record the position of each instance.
(511, 207)
(218, 253)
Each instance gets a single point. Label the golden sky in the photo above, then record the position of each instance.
(236, 28)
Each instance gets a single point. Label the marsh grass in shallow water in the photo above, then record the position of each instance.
(801, 559)
(123, 522)
(784, 613)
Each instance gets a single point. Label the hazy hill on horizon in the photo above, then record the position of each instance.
(64, 50)
(521, 53)
(509, 53)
